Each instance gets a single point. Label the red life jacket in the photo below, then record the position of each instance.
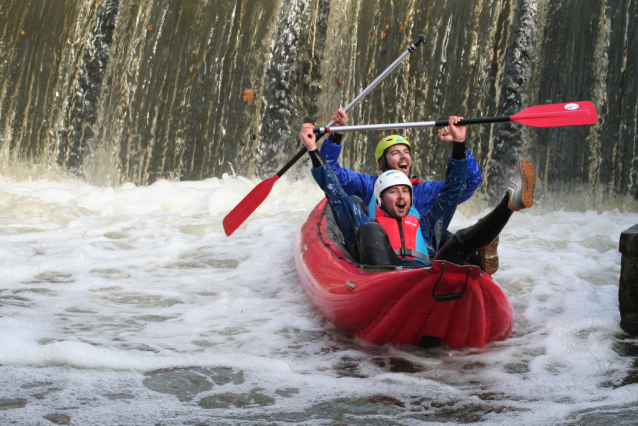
(403, 235)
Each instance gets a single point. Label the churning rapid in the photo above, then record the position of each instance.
(129, 129)
(131, 306)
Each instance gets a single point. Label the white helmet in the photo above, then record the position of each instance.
(387, 180)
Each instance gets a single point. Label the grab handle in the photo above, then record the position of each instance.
(450, 296)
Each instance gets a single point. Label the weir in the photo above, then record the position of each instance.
(134, 91)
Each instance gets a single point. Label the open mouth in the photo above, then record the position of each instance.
(401, 206)
(403, 166)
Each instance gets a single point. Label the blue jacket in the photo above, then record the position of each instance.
(425, 193)
(350, 216)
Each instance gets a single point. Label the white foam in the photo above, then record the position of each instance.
(102, 286)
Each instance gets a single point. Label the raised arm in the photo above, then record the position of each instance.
(348, 215)
(426, 193)
(353, 183)
(444, 204)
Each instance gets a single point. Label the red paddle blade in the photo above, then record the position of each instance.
(247, 206)
(556, 115)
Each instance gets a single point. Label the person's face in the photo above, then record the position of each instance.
(396, 201)
(398, 157)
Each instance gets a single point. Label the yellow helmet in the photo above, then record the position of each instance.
(387, 142)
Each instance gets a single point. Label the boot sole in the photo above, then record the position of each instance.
(528, 173)
(487, 258)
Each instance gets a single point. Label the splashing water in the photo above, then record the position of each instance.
(129, 305)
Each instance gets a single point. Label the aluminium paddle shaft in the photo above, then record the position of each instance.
(413, 125)
(367, 90)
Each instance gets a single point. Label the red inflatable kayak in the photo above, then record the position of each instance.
(444, 303)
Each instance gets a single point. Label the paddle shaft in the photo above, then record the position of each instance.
(292, 161)
(468, 121)
(414, 125)
(367, 90)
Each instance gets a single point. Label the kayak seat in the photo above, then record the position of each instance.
(375, 246)
(336, 237)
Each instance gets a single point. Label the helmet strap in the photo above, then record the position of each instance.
(383, 165)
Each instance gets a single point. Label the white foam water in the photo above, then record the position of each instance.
(130, 305)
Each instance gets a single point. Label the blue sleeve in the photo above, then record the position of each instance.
(426, 192)
(348, 215)
(473, 180)
(445, 202)
(353, 183)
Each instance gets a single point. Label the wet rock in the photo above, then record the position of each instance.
(59, 419)
(7, 404)
(628, 285)
(228, 400)
(116, 396)
(186, 383)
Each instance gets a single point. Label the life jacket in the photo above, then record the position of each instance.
(405, 236)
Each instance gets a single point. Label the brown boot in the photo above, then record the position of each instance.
(487, 258)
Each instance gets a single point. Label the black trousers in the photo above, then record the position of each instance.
(375, 247)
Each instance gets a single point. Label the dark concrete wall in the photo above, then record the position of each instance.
(628, 287)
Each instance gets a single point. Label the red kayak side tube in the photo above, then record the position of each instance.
(444, 303)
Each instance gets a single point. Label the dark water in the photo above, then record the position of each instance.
(122, 91)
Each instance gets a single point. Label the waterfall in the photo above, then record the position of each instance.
(122, 90)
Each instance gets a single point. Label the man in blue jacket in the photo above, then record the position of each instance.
(395, 197)
(394, 152)
(433, 218)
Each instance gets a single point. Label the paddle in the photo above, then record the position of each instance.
(247, 206)
(551, 115)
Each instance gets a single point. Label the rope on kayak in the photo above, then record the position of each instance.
(328, 243)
